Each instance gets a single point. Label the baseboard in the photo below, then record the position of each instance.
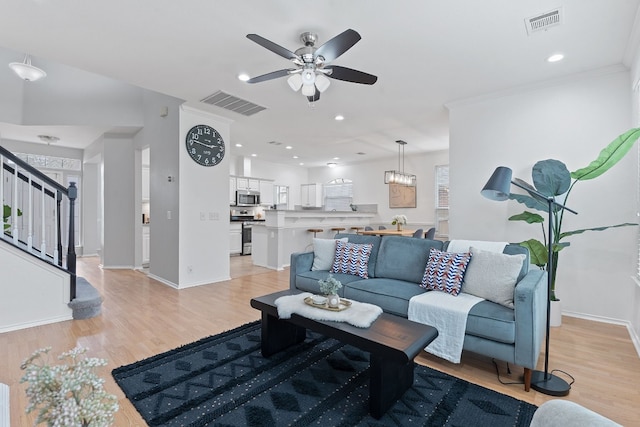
(18, 326)
(4, 406)
(163, 281)
(635, 339)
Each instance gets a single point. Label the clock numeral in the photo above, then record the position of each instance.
(207, 131)
(193, 151)
(206, 161)
(199, 156)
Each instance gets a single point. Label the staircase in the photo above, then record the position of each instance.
(33, 208)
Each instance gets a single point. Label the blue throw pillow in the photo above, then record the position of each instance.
(352, 258)
(445, 271)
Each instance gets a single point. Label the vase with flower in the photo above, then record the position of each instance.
(330, 287)
(399, 221)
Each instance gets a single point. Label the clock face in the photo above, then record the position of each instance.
(205, 145)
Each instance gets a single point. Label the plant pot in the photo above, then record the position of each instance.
(556, 314)
(333, 301)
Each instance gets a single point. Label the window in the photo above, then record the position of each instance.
(442, 200)
(338, 195)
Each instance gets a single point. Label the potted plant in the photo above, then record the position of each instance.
(552, 178)
(68, 394)
(6, 215)
(330, 287)
(399, 221)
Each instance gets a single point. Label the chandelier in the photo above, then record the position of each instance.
(399, 176)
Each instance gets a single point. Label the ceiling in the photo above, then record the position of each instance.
(426, 53)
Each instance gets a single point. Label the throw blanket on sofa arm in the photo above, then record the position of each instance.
(465, 245)
(446, 313)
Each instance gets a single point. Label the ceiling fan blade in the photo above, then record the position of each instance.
(269, 76)
(315, 97)
(338, 45)
(275, 48)
(350, 75)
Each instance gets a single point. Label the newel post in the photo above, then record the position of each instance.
(72, 192)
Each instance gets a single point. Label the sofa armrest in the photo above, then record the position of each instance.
(300, 263)
(530, 306)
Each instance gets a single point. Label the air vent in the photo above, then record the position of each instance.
(543, 22)
(232, 103)
(274, 143)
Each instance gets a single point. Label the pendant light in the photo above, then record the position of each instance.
(26, 71)
(399, 176)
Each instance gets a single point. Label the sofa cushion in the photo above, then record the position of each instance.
(308, 280)
(492, 276)
(374, 240)
(324, 251)
(445, 271)
(492, 321)
(391, 295)
(404, 258)
(352, 258)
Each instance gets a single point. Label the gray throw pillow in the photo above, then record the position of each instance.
(492, 276)
(324, 251)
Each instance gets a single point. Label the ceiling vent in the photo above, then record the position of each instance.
(544, 21)
(232, 103)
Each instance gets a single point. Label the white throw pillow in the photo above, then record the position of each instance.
(492, 276)
(324, 251)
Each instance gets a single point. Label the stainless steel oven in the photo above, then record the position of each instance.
(246, 238)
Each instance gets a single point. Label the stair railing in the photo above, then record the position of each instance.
(31, 195)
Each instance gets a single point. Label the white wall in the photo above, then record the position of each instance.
(369, 186)
(571, 121)
(204, 207)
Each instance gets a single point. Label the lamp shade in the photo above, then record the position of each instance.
(497, 188)
(295, 81)
(322, 83)
(26, 71)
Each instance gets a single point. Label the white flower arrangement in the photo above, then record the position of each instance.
(329, 286)
(398, 219)
(68, 394)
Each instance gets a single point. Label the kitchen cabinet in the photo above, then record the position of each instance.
(145, 183)
(311, 195)
(235, 238)
(266, 192)
(250, 184)
(232, 190)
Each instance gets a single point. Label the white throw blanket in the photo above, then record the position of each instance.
(446, 313)
(359, 314)
(464, 245)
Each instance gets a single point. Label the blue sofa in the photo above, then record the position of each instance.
(396, 266)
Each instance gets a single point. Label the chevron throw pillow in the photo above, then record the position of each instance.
(352, 258)
(445, 271)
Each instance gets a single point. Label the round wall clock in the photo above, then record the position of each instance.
(205, 145)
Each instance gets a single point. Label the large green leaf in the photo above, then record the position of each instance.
(574, 232)
(528, 217)
(537, 252)
(551, 177)
(609, 156)
(529, 202)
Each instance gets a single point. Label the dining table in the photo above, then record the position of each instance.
(387, 232)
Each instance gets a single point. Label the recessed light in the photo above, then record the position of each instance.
(555, 57)
(336, 158)
(295, 157)
(238, 145)
(288, 147)
(254, 155)
(332, 165)
(243, 77)
(301, 164)
(339, 117)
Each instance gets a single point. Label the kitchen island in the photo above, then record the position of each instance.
(285, 232)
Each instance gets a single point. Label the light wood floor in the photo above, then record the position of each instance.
(142, 317)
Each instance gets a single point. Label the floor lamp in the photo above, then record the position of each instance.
(497, 188)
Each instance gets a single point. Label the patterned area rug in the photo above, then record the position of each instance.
(223, 380)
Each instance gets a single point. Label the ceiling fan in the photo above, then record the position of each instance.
(313, 63)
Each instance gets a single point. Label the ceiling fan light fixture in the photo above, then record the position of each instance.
(308, 76)
(308, 90)
(322, 83)
(26, 71)
(295, 82)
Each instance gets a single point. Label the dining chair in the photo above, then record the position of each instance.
(430, 234)
(368, 228)
(418, 233)
(382, 227)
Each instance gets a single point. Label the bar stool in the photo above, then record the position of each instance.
(315, 231)
(356, 229)
(338, 229)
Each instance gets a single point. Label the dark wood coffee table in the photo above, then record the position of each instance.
(393, 342)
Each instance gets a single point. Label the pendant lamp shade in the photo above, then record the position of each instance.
(26, 71)
(498, 186)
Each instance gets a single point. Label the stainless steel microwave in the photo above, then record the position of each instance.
(247, 198)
